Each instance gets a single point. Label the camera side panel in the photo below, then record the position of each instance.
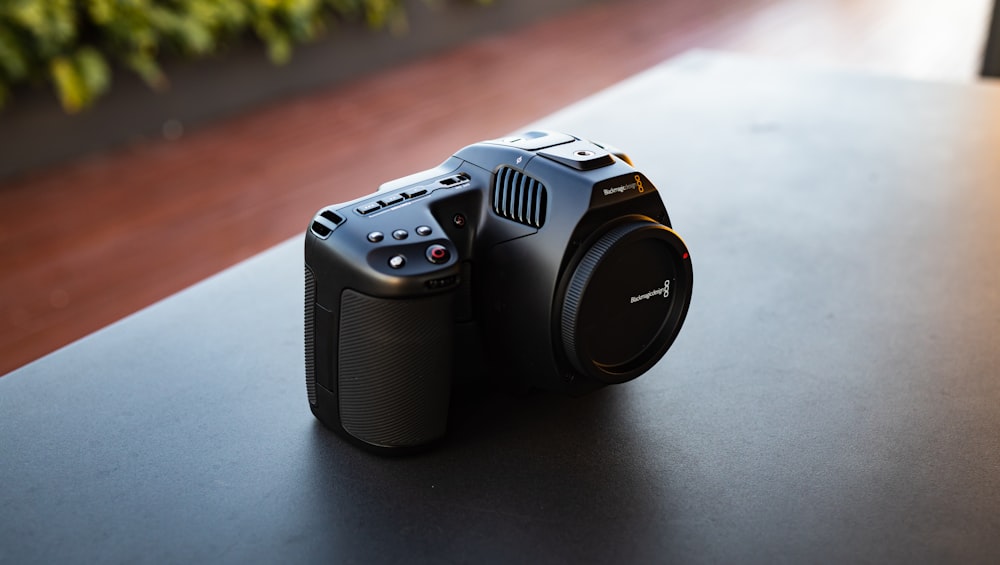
(381, 288)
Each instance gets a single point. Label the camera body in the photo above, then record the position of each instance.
(552, 252)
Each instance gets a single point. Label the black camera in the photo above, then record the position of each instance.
(549, 257)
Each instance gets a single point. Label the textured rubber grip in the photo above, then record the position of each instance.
(394, 368)
(310, 336)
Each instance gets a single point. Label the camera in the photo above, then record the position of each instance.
(547, 257)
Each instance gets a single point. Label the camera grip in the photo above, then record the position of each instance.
(393, 367)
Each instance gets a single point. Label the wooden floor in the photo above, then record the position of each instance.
(87, 243)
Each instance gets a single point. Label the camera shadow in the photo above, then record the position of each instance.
(527, 477)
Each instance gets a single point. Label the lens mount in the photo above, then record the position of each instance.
(626, 300)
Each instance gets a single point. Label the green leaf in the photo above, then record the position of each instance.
(93, 70)
(69, 84)
(146, 67)
(13, 63)
(102, 12)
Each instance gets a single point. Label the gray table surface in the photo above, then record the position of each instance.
(833, 397)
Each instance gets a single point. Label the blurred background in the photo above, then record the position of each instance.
(145, 149)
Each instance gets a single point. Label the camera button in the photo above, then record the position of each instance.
(438, 254)
(390, 200)
(423, 230)
(368, 208)
(397, 261)
(376, 236)
(400, 234)
(414, 193)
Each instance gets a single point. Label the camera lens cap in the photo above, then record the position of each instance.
(626, 301)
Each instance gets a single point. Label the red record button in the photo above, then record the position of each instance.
(438, 254)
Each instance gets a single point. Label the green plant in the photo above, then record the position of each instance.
(75, 44)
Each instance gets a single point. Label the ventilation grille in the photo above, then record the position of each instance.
(310, 336)
(518, 197)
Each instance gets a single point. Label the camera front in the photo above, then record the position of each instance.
(625, 301)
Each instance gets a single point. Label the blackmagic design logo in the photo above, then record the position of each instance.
(637, 185)
(620, 189)
(663, 291)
